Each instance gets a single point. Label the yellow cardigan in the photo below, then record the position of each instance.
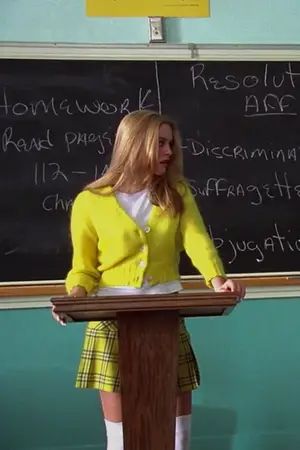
(110, 249)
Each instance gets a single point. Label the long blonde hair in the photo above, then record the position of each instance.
(135, 156)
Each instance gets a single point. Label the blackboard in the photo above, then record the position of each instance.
(241, 137)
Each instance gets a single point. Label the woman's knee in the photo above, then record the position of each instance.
(184, 403)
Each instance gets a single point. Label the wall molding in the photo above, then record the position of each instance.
(193, 52)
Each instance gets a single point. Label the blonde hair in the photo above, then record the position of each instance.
(135, 156)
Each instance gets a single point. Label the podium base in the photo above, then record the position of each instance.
(149, 345)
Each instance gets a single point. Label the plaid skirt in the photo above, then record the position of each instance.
(99, 368)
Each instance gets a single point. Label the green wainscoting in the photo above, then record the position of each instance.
(249, 398)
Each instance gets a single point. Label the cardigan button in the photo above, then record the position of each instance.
(147, 229)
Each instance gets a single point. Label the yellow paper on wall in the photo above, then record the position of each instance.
(144, 8)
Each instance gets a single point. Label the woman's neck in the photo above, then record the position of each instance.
(130, 188)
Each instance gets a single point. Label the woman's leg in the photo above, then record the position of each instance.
(111, 406)
(183, 421)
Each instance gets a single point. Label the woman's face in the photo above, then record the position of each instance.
(165, 144)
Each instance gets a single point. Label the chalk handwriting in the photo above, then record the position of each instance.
(239, 152)
(54, 202)
(276, 241)
(10, 142)
(51, 172)
(255, 194)
(58, 107)
(202, 78)
(270, 105)
(80, 138)
(143, 98)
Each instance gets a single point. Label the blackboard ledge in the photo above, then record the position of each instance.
(30, 289)
(260, 293)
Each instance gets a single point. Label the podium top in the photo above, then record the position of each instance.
(81, 309)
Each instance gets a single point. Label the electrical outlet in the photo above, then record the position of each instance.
(156, 29)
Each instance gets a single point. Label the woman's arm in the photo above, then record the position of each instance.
(84, 272)
(197, 242)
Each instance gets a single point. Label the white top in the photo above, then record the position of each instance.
(138, 207)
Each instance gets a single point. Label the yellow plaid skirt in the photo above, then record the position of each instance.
(99, 368)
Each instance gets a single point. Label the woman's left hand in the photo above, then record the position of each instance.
(230, 285)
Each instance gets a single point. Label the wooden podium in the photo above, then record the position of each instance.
(148, 353)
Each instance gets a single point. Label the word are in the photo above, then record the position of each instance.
(270, 105)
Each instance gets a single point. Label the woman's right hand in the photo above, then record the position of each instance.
(57, 317)
(76, 291)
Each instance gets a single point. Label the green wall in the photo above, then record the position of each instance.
(249, 398)
(231, 22)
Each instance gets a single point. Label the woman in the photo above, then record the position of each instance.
(128, 229)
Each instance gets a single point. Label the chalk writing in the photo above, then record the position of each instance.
(11, 142)
(240, 152)
(241, 147)
(54, 202)
(144, 103)
(80, 138)
(59, 107)
(201, 77)
(277, 241)
(255, 194)
(53, 172)
(270, 105)
(256, 104)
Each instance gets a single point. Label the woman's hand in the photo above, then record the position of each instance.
(221, 284)
(77, 291)
(57, 317)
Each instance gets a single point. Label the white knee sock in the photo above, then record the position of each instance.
(183, 432)
(114, 434)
